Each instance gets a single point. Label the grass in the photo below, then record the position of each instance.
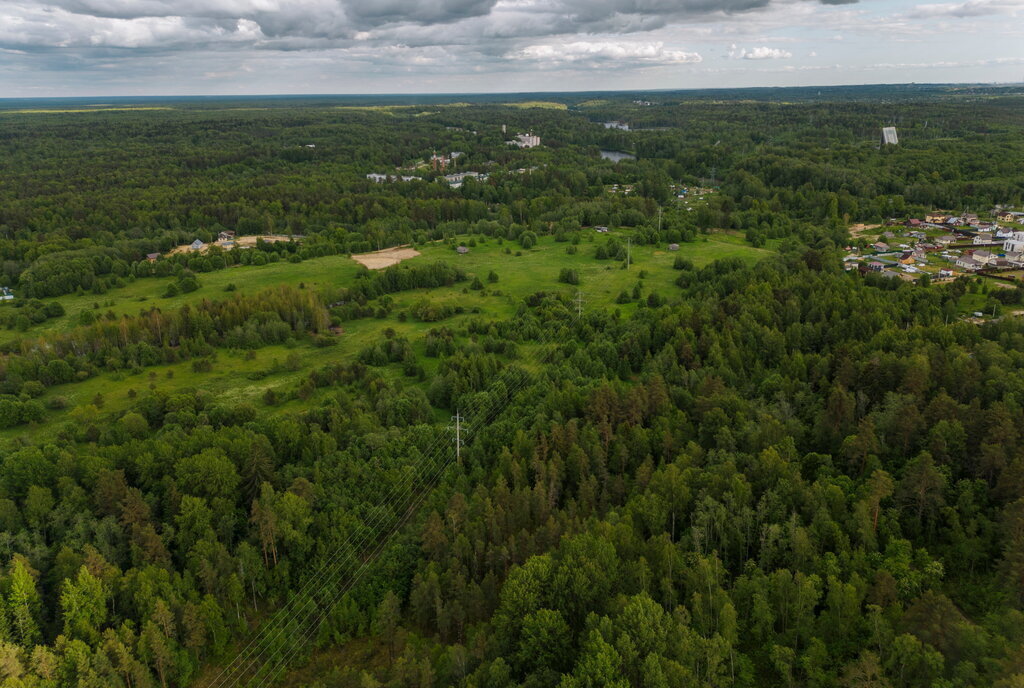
(230, 379)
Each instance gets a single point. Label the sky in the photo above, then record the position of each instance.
(251, 47)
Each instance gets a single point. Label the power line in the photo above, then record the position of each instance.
(291, 624)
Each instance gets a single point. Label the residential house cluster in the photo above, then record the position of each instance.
(966, 243)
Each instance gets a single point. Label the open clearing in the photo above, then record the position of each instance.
(244, 242)
(857, 231)
(377, 260)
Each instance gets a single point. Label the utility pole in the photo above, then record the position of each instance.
(457, 419)
(579, 304)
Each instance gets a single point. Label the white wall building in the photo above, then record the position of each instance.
(1015, 244)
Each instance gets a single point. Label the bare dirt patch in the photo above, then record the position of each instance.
(377, 260)
(859, 230)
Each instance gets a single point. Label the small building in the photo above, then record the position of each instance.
(969, 218)
(226, 235)
(196, 245)
(673, 247)
(1015, 244)
(913, 222)
(377, 178)
(876, 266)
(968, 263)
(462, 250)
(6, 294)
(983, 257)
(889, 137)
(880, 246)
(945, 240)
(151, 257)
(938, 218)
(945, 273)
(600, 229)
(983, 238)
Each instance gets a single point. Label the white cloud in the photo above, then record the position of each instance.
(605, 51)
(761, 53)
(971, 8)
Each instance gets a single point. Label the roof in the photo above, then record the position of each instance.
(197, 243)
(152, 255)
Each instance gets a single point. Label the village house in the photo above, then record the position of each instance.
(1015, 259)
(969, 218)
(945, 240)
(880, 246)
(945, 273)
(912, 222)
(939, 218)
(226, 235)
(1015, 244)
(983, 257)
(1005, 216)
(196, 245)
(151, 257)
(955, 222)
(968, 263)
(876, 266)
(1004, 233)
(983, 238)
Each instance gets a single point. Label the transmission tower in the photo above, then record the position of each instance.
(457, 427)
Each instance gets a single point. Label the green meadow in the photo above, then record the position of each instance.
(245, 376)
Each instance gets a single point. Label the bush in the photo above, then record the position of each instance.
(569, 276)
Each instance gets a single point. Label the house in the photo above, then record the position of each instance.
(907, 258)
(1015, 259)
(880, 246)
(955, 222)
(673, 247)
(945, 240)
(226, 235)
(969, 218)
(377, 178)
(1004, 233)
(601, 229)
(461, 250)
(1006, 216)
(196, 245)
(912, 222)
(945, 273)
(1014, 244)
(968, 263)
(151, 257)
(938, 218)
(983, 238)
(876, 266)
(6, 294)
(983, 257)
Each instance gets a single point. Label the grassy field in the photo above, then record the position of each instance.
(520, 272)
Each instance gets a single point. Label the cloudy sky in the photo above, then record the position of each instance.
(176, 47)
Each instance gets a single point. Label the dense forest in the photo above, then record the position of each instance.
(756, 471)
